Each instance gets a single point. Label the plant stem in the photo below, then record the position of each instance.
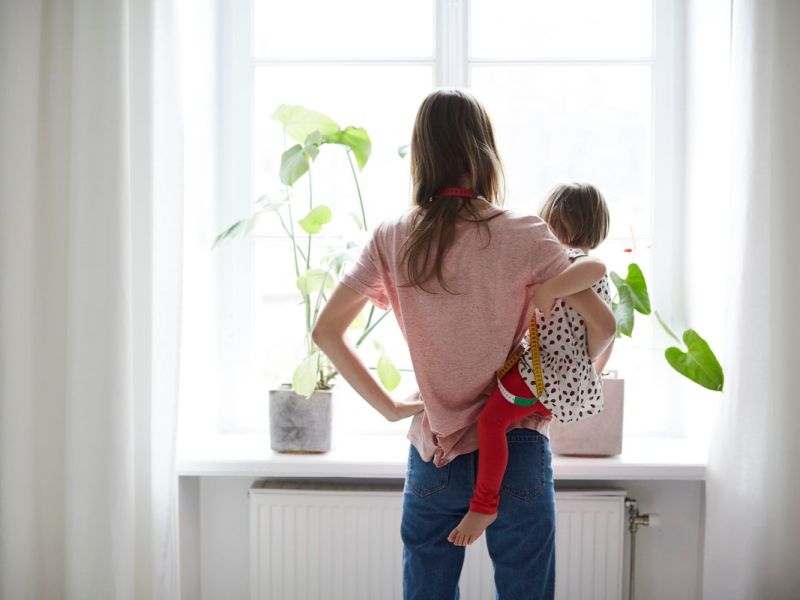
(296, 246)
(666, 328)
(320, 297)
(369, 328)
(310, 208)
(369, 316)
(358, 189)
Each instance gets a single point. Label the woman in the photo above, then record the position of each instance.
(458, 271)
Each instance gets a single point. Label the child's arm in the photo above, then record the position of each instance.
(601, 326)
(580, 275)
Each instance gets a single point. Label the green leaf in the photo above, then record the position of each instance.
(294, 164)
(698, 363)
(268, 204)
(313, 280)
(388, 373)
(300, 122)
(230, 232)
(355, 138)
(623, 311)
(359, 322)
(358, 221)
(253, 221)
(402, 151)
(311, 144)
(338, 258)
(638, 287)
(314, 220)
(304, 379)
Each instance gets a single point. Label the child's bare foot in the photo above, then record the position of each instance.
(470, 529)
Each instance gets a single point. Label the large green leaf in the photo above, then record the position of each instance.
(623, 311)
(312, 281)
(388, 373)
(304, 379)
(294, 164)
(315, 219)
(638, 287)
(355, 138)
(698, 362)
(311, 144)
(300, 122)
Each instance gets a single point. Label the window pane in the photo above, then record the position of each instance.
(557, 123)
(351, 95)
(343, 29)
(563, 29)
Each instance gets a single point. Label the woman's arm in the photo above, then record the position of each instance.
(580, 275)
(601, 326)
(329, 334)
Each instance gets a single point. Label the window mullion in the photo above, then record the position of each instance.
(452, 43)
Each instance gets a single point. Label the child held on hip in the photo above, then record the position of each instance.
(554, 372)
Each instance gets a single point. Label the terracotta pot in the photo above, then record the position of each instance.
(300, 425)
(598, 435)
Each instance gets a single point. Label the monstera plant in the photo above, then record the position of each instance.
(317, 268)
(692, 358)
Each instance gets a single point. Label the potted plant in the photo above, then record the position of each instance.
(601, 434)
(301, 411)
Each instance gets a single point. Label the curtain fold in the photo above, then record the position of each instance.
(90, 256)
(752, 540)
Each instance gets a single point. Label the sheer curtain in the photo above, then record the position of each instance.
(752, 542)
(90, 261)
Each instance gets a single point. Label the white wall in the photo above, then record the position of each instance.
(215, 538)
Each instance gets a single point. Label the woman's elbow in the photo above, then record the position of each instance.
(322, 334)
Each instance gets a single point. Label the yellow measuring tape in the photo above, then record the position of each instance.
(536, 358)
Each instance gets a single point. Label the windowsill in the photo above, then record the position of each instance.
(384, 457)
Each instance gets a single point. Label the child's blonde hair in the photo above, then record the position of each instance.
(578, 215)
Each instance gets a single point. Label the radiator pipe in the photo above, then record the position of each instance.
(636, 520)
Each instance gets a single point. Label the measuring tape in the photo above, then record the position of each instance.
(536, 358)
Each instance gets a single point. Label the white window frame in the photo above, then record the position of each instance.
(451, 67)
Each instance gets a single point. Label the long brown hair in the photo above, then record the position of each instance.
(452, 145)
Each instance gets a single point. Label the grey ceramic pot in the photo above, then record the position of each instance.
(298, 424)
(598, 435)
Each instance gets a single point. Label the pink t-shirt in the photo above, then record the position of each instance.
(457, 342)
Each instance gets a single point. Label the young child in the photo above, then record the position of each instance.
(555, 371)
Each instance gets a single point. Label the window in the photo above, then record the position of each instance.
(577, 89)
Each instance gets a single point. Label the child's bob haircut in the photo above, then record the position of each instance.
(577, 214)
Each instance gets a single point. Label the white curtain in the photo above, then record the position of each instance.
(752, 541)
(90, 239)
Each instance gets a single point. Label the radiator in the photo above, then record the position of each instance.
(328, 541)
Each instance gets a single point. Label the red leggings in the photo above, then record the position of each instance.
(497, 416)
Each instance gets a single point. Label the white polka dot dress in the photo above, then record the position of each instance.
(572, 389)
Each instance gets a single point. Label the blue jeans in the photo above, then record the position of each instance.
(521, 541)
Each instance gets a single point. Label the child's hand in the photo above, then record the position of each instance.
(408, 407)
(543, 299)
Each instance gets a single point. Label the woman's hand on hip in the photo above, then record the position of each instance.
(407, 407)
